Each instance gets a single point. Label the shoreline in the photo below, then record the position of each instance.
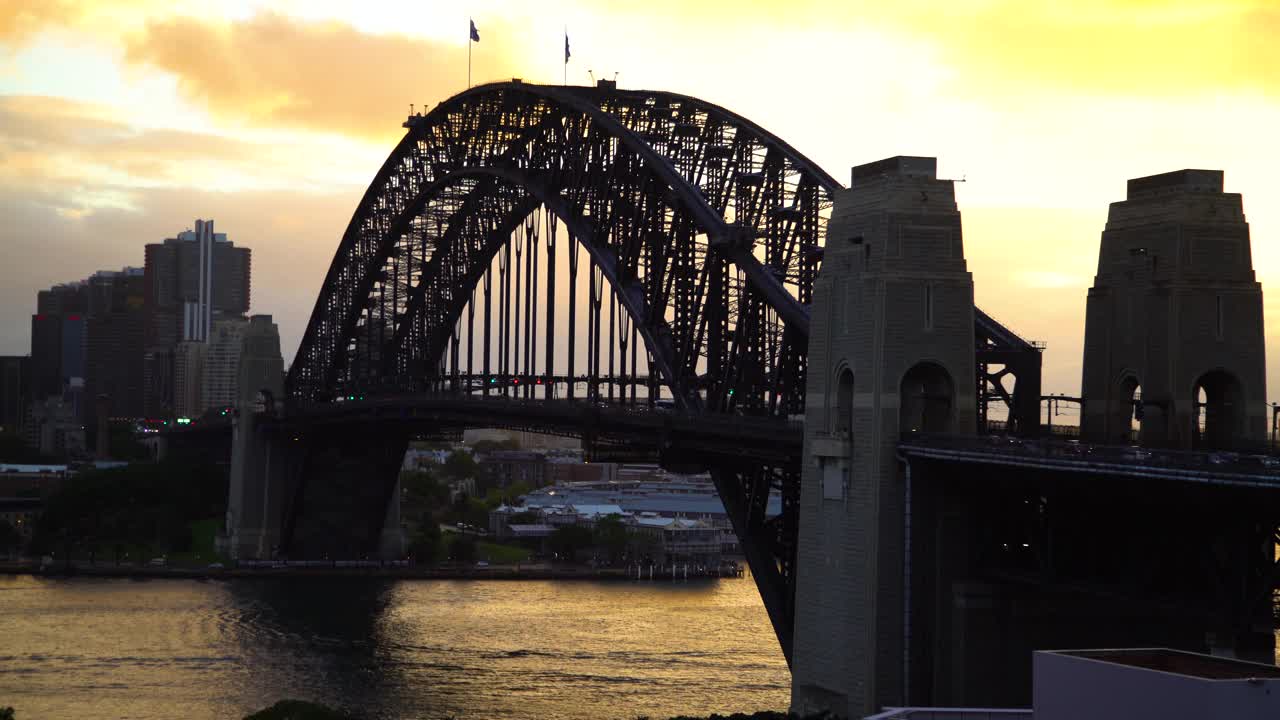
(511, 573)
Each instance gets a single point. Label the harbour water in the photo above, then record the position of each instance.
(164, 649)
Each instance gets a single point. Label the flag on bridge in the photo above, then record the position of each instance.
(475, 37)
(566, 47)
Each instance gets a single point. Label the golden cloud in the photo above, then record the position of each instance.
(21, 18)
(1139, 47)
(79, 157)
(271, 70)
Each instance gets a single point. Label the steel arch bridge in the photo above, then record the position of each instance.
(703, 234)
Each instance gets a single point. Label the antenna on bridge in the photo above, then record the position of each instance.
(593, 76)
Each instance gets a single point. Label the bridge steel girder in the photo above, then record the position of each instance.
(708, 228)
(701, 222)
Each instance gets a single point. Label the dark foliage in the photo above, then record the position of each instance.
(299, 710)
(144, 505)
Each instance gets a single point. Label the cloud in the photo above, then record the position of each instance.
(21, 18)
(83, 190)
(76, 157)
(274, 71)
(1137, 47)
(292, 235)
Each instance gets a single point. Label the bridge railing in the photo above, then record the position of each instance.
(1258, 463)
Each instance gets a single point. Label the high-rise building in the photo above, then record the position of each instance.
(115, 344)
(222, 363)
(58, 343)
(261, 365)
(54, 428)
(188, 378)
(192, 280)
(15, 373)
(242, 358)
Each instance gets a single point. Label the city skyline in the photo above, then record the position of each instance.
(115, 137)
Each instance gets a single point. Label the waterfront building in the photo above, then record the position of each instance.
(570, 469)
(23, 489)
(31, 479)
(678, 541)
(503, 468)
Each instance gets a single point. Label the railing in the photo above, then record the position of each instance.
(952, 713)
(1055, 449)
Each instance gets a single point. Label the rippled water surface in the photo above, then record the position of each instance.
(90, 648)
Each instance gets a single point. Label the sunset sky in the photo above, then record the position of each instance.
(121, 122)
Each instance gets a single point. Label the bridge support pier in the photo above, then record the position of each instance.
(891, 351)
(264, 467)
(344, 502)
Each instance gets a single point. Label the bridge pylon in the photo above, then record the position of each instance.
(1174, 352)
(891, 352)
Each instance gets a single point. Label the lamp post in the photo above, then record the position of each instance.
(1275, 424)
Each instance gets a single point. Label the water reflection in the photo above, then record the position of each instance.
(164, 649)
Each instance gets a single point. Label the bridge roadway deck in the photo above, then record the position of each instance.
(719, 436)
(1255, 471)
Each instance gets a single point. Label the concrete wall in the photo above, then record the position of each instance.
(1070, 688)
(1175, 297)
(893, 295)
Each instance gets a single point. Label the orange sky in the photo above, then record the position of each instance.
(121, 122)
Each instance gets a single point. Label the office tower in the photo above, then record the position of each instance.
(114, 344)
(192, 280)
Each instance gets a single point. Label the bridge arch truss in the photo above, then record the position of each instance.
(706, 229)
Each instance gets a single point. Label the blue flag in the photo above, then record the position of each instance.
(566, 48)
(475, 34)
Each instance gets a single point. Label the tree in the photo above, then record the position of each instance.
(427, 543)
(567, 541)
(10, 539)
(612, 536)
(292, 710)
(14, 450)
(648, 547)
(462, 549)
(423, 490)
(140, 506)
(461, 465)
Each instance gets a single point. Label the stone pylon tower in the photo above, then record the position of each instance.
(1173, 353)
(891, 351)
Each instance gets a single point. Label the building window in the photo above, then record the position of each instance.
(844, 404)
(1218, 333)
(928, 306)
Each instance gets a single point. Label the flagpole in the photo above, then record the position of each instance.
(566, 60)
(471, 23)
